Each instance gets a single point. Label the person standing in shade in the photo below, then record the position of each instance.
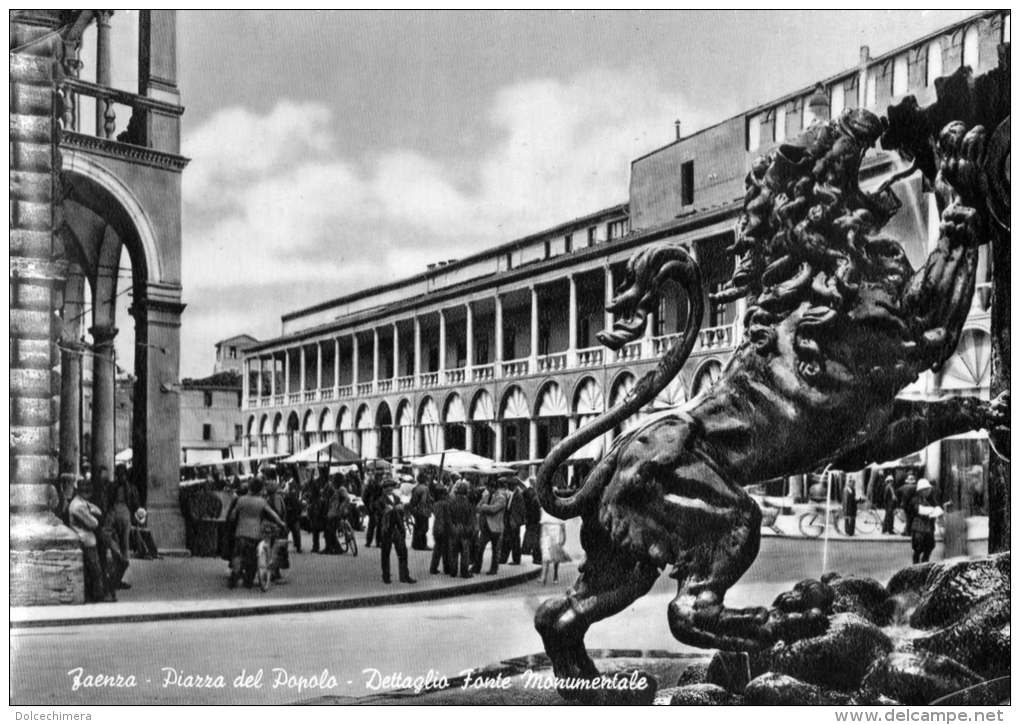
(513, 520)
(922, 526)
(889, 500)
(554, 536)
(421, 509)
(460, 515)
(849, 506)
(371, 494)
(491, 512)
(440, 531)
(907, 491)
(392, 534)
(315, 501)
(532, 523)
(84, 519)
(292, 501)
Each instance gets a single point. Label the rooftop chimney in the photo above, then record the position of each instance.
(677, 124)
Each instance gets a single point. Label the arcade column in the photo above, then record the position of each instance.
(156, 437)
(45, 555)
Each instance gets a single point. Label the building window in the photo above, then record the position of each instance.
(970, 47)
(754, 133)
(481, 350)
(233, 353)
(207, 398)
(871, 90)
(206, 432)
(781, 123)
(687, 183)
(548, 249)
(934, 62)
(617, 229)
(837, 101)
(568, 243)
(509, 261)
(591, 236)
(238, 432)
(239, 398)
(899, 76)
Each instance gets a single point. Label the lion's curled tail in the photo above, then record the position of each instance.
(637, 296)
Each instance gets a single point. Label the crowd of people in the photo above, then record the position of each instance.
(917, 499)
(280, 505)
(503, 516)
(111, 524)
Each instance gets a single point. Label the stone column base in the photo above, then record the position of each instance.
(46, 561)
(167, 524)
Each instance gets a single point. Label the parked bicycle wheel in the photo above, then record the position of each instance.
(262, 557)
(352, 543)
(811, 525)
(868, 522)
(342, 542)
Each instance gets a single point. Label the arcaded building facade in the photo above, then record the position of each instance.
(497, 353)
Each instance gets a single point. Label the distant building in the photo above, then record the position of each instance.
(230, 352)
(211, 425)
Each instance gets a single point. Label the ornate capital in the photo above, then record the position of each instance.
(103, 334)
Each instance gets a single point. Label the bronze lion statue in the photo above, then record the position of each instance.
(838, 323)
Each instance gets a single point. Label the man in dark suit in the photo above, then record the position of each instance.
(461, 518)
(421, 509)
(392, 533)
(372, 493)
(440, 531)
(514, 518)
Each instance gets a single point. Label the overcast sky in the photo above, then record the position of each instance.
(336, 150)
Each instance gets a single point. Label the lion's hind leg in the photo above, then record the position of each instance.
(609, 581)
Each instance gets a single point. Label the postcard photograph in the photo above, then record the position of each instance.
(520, 358)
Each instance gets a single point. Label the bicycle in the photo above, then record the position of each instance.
(813, 523)
(345, 537)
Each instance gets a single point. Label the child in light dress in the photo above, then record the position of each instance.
(554, 536)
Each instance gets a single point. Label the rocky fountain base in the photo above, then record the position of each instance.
(938, 633)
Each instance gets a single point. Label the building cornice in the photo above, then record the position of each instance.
(687, 224)
(123, 151)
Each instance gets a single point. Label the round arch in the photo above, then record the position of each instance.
(309, 428)
(672, 396)
(482, 424)
(344, 426)
(588, 397)
(705, 376)
(430, 425)
(293, 430)
(514, 404)
(405, 426)
(77, 163)
(364, 426)
(970, 367)
(551, 402)
(482, 408)
(383, 430)
(455, 421)
(621, 388)
(324, 431)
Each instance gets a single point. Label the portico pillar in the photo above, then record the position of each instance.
(532, 439)
(286, 374)
(396, 356)
(103, 411)
(318, 366)
(572, 322)
(469, 341)
(648, 341)
(442, 345)
(533, 354)
(571, 428)
(469, 437)
(156, 434)
(609, 297)
(301, 377)
(417, 351)
(272, 376)
(498, 334)
(498, 440)
(104, 113)
(70, 407)
(245, 382)
(336, 367)
(354, 362)
(375, 358)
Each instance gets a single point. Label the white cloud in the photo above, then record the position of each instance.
(269, 200)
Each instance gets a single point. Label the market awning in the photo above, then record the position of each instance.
(327, 452)
(124, 456)
(454, 459)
